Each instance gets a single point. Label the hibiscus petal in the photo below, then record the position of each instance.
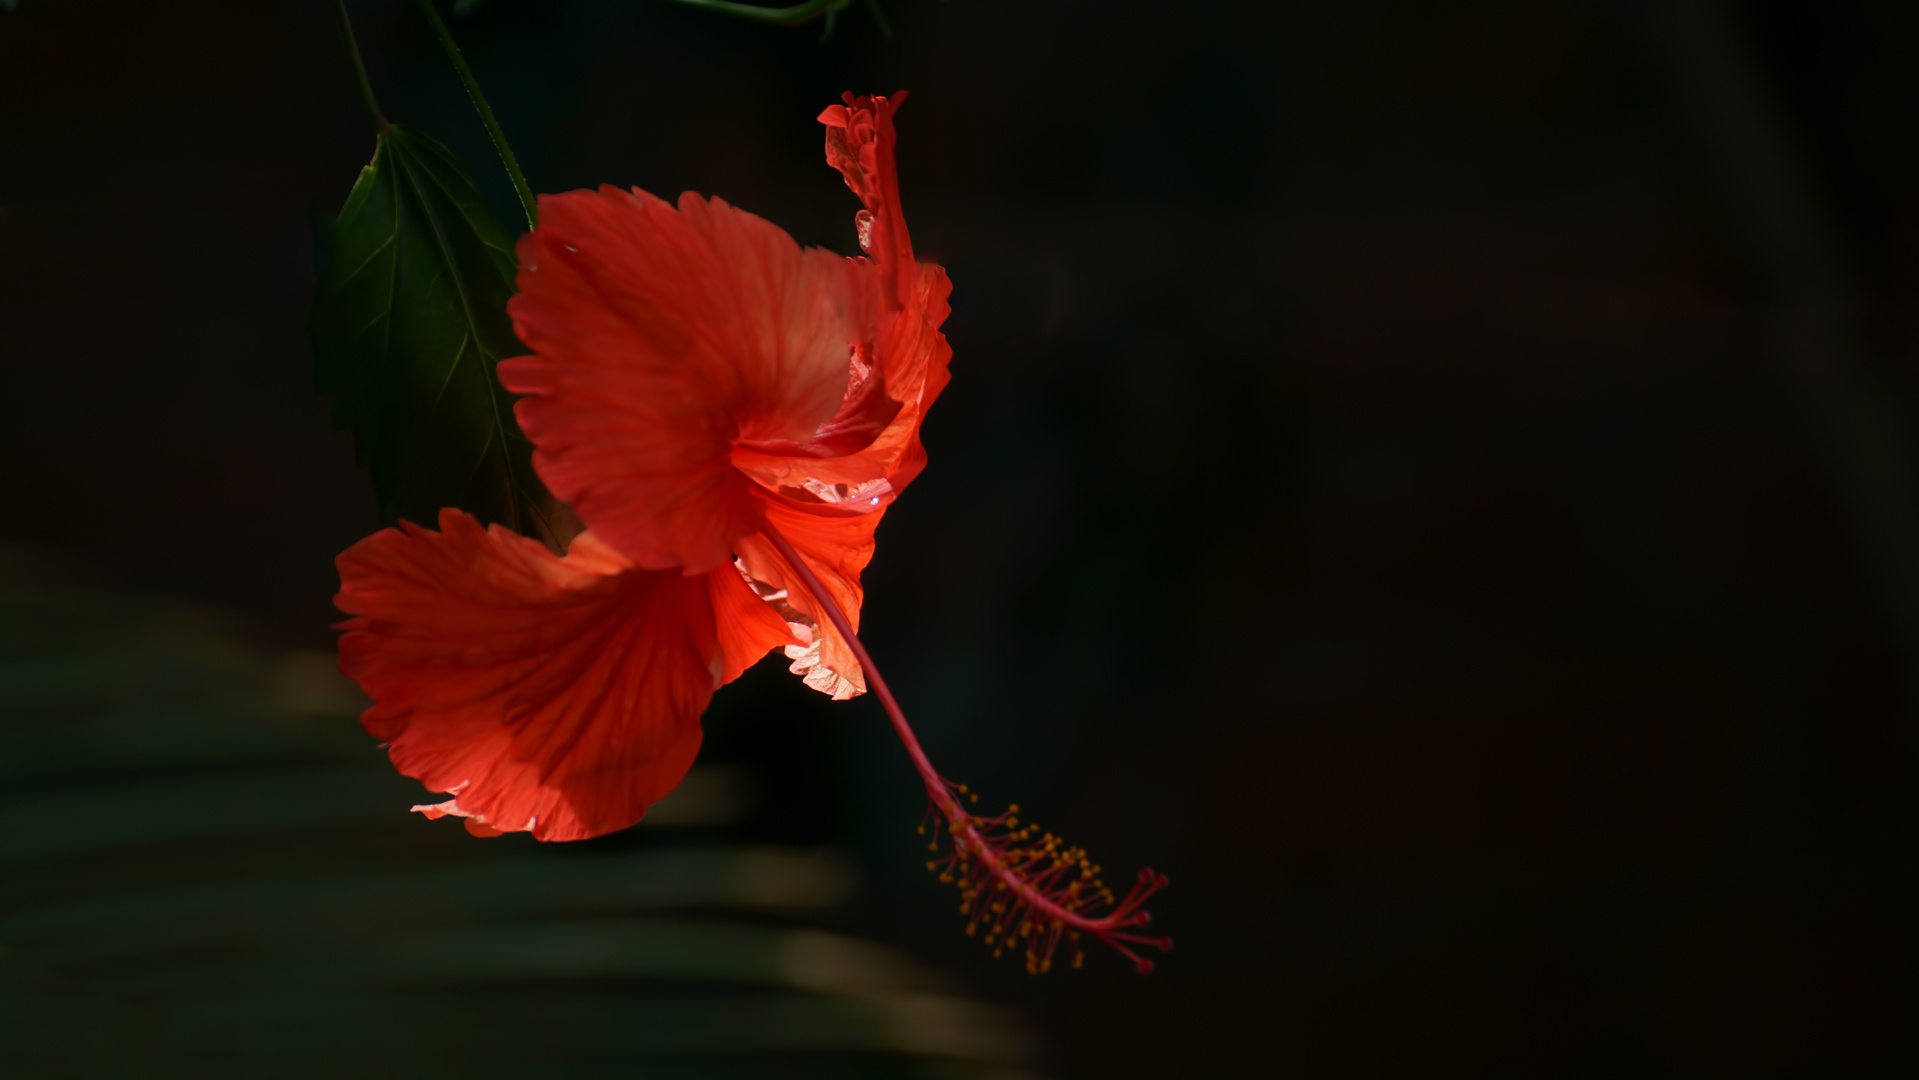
(917, 358)
(836, 540)
(665, 336)
(748, 627)
(912, 356)
(860, 143)
(556, 696)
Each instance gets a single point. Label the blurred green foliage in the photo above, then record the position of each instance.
(208, 870)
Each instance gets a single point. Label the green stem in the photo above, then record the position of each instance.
(486, 114)
(785, 16)
(359, 67)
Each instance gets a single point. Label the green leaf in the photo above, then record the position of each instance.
(409, 322)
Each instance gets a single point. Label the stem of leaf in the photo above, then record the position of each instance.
(486, 113)
(359, 68)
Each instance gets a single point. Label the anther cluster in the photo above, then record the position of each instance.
(1028, 890)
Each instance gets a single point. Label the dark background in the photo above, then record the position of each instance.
(1434, 478)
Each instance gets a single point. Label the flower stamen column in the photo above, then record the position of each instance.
(1029, 889)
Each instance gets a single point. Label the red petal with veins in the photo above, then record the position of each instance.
(860, 143)
(557, 696)
(664, 337)
(836, 540)
(749, 628)
(913, 355)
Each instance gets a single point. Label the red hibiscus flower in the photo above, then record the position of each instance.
(729, 415)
